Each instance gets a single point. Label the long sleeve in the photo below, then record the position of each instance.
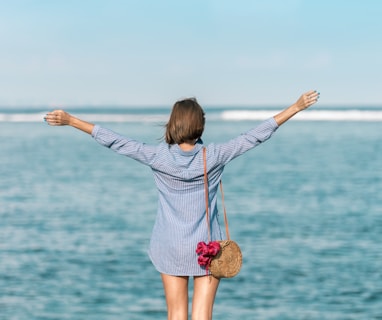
(227, 151)
(124, 146)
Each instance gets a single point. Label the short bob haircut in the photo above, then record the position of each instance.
(186, 123)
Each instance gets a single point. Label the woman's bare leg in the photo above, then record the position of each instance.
(205, 288)
(176, 291)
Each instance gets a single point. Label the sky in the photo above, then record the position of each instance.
(154, 52)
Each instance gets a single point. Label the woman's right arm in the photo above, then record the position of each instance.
(119, 144)
(62, 118)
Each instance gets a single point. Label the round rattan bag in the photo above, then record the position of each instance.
(227, 263)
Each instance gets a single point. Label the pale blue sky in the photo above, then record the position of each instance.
(153, 52)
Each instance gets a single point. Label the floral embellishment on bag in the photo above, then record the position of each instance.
(206, 252)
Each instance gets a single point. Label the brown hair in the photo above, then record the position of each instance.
(186, 122)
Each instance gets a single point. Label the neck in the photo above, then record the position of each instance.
(186, 146)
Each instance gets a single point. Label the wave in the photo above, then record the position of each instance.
(308, 115)
(220, 115)
(39, 117)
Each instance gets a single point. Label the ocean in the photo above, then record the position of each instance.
(305, 207)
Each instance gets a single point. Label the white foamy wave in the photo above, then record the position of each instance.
(21, 117)
(124, 117)
(227, 115)
(308, 115)
(25, 117)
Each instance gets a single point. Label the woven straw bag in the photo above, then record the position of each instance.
(227, 263)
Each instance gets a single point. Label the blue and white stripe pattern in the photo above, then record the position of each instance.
(181, 222)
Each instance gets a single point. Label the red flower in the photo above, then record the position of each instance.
(206, 252)
(213, 248)
(203, 260)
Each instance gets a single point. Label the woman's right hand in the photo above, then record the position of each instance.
(62, 118)
(58, 118)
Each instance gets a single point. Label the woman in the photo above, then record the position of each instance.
(177, 165)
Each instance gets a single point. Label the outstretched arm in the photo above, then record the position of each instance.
(62, 118)
(305, 101)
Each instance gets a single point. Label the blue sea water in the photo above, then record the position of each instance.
(306, 208)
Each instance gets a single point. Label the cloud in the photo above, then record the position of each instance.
(319, 60)
(283, 60)
(267, 61)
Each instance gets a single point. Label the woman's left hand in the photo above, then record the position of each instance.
(307, 99)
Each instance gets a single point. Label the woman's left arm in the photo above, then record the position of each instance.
(305, 101)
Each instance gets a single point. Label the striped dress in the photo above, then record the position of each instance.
(181, 222)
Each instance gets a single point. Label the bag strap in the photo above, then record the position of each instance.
(207, 200)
